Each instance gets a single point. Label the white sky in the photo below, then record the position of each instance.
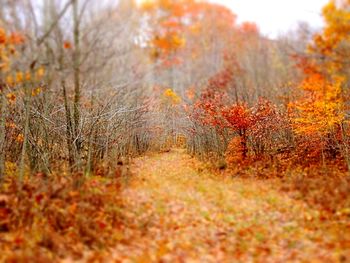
(277, 16)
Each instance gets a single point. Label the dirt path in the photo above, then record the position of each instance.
(181, 213)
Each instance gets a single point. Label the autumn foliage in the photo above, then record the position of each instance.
(84, 87)
(60, 216)
(312, 127)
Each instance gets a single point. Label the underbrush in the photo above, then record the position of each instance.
(326, 189)
(320, 178)
(45, 219)
(323, 187)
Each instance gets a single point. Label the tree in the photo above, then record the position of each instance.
(332, 46)
(321, 113)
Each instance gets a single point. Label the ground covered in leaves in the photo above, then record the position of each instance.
(183, 213)
(172, 209)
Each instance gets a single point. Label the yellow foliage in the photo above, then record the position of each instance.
(10, 169)
(11, 97)
(169, 5)
(178, 41)
(40, 73)
(19, 77)
(196, 28)
(334, 41)
(28, 76)
(3, 66)
(148, 5)
(171, 96)
(322, 110)
(20, 138)
(4, 62)
(169, 43)
(36, 92)
(323, 107)
(9, 80)
(11, 125)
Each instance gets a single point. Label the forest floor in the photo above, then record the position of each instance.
(180, 212)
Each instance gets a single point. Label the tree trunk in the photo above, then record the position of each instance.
(244, 144)
(76, 69)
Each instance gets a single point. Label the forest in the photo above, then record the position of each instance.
(171, 131)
